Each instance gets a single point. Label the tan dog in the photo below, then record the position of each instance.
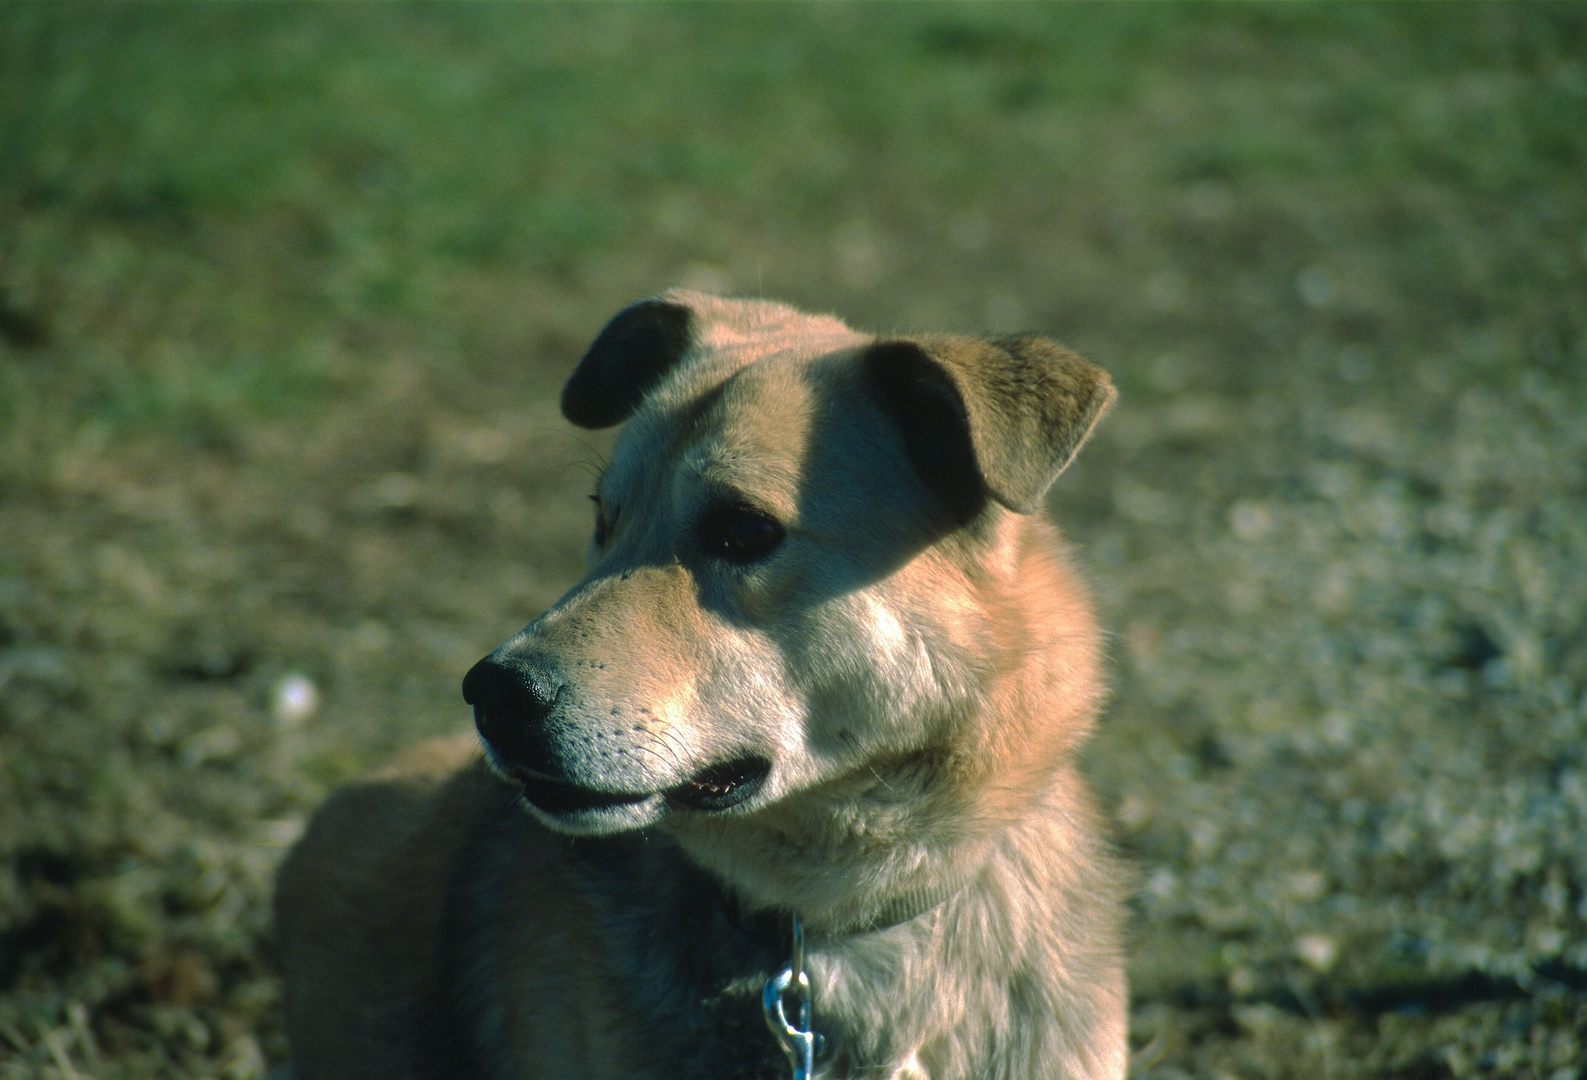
(827, 660)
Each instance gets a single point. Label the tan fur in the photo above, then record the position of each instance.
(920, 690)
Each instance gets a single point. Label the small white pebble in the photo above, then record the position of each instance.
(294, 700)
(1318, 951)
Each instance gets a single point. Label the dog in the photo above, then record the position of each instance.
(828, 661)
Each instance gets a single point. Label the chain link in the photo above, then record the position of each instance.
(797, 1038)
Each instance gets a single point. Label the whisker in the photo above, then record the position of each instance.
(878, 776)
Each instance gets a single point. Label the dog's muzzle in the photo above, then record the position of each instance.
(513, 698)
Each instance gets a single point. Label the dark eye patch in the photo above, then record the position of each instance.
(739, 534)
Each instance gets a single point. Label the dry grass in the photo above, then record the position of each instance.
(286, 293)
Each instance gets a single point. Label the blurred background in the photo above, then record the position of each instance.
(287, 292)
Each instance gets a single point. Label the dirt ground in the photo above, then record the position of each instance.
(286, 294)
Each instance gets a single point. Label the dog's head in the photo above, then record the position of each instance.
(801, 546)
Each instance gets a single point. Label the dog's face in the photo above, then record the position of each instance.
(790, 543)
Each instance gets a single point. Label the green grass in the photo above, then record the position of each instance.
(374, 157)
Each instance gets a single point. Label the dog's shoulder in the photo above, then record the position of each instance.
(430, 929)
(409, 815)
(361, 901)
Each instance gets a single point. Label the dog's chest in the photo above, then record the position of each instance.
(683, 969)
(689, 967)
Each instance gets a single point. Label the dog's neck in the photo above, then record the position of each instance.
(874, 916)
(867, 856)
(881, 994)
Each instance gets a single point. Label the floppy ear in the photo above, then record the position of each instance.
(628, 358)
(998, 417)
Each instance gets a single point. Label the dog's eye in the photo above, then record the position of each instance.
(739, 534)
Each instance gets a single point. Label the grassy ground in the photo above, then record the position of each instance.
(286, 292)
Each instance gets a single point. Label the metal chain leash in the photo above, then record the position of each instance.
(797, 1039)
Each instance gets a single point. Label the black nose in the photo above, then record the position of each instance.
(512, 696)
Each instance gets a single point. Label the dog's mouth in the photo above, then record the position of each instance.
(716, 787)
(720, 786)
(557, 797)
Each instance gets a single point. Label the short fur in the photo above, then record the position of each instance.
(912, 666)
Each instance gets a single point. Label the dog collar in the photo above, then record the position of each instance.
(902, 908)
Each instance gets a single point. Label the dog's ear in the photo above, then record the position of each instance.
(998, 417)
(628, 358)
